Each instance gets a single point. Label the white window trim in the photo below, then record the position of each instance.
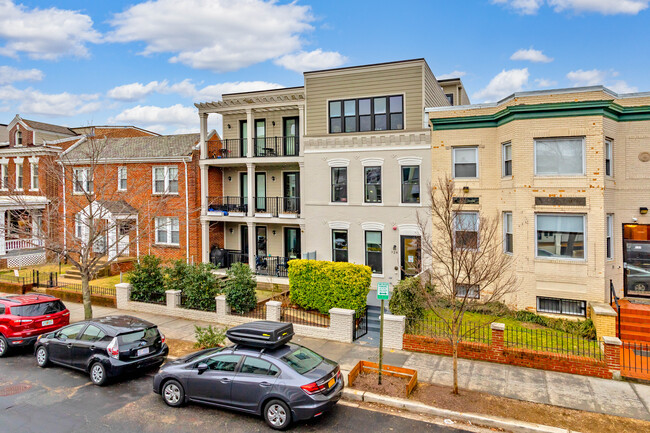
(609, 236)
(564, 259)
(370, 228)
(166, 180)
(609, 154)
(168, 225)
(126, 177)
(33, 164)
(20, 172)
(347, 185)
(363, 185)
(401, 185)
(505, 232)
(503, 159)
(584, 158)
(453, 161)
(4, 171)
(86, 180)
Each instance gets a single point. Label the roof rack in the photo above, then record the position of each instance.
(262, 334)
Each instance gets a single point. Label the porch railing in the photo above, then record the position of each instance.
(20, 244)
(272, 266)
(277, 205)
(276, 146)
(227, 204)
(230, 148)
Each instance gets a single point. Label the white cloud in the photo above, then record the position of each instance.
(593, 77)
(44, 33)
(50, 104)
(524, 7)
(311, 61)
(622, 87)
(218, 35)
(10, 75)
(159, 119)
(452, 74)
(544, 83)
(503, 84)
(134, 91)
(531, 55)
(605, 7)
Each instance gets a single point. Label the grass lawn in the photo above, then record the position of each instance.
(108, 281)
(45, 268)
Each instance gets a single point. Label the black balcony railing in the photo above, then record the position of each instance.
(277, 205)
(272, 265)
(227, 204)
(230, 148)
(276, 146)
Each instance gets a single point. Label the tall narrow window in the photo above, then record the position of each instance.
(339, 245)
(365, 115)
(381, 118)
(507, 159)
(34, 179)
(82, 181)
(19, 138)
(4, 176)
(19, 176)
(121, 178)
(336, 122)
(411, 184)
(372, 184)
(465, 160)
(466, 230)
(396, 112)
(373, 252)
(608, 157)
(339, 184)
(507, 232)
(610, 236)
(350, 113)
(159, 180)
(260, 137)
(172, 174)
(78, 226)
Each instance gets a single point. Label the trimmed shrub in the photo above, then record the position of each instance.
(322, 285)
(147, 280)
(408, 299)
(209, 337)
(197, 282)
(240, 288)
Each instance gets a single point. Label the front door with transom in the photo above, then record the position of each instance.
(411, 256)
(636, 260)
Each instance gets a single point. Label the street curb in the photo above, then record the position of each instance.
(482, 420)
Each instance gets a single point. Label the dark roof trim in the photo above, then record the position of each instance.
(264, 91)
(366, 66)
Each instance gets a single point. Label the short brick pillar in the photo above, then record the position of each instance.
(173, 298)
(498, 341)
(604, 318)
(394, 329)
(274, 311)
(612, 348)
(342, 325)
(122, 295)
(222, 308)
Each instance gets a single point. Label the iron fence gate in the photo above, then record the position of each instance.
(635, 360)
(360, 323)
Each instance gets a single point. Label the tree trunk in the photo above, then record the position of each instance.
(85, 293)
(454, 352)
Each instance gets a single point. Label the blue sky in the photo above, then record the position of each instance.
(113, 62)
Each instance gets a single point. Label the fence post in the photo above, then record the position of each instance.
(498, 331)
(173, 298)
(342, 324)
(613, 355)
(122, 295)
(274, 311)
(222, 309)
(394, 329)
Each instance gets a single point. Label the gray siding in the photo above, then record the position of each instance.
(434, 96)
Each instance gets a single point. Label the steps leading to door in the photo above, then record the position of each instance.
(634, 321)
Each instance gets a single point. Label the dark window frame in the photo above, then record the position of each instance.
(376, 185)
(450, 98)
(380, 252)
(407, 182)
(344, 197)
(560, 303)
(347, 246)
(357, 117)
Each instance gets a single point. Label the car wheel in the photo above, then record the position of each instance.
(4, 346)
(640, 287)
(42, 358)
(277, 414)
(173, 393)
(97, 374)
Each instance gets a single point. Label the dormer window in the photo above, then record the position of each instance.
(19, 138)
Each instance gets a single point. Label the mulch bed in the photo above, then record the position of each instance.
(179, 348)
(390, 385)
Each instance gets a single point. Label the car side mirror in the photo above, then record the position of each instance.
(202, 367)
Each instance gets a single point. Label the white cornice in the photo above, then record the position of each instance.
(367, 162)
(338, 162)
(409, 160)
(372, 226)
(339, 225)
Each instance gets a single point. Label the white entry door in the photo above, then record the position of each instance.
(123, 242)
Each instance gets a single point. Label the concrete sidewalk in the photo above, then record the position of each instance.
(591, 394)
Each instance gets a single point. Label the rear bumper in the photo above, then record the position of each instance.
(22, 341)
(118, 368)
(317, 406)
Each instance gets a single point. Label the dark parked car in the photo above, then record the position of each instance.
(281, 381)
(107, 347)
(24, 317)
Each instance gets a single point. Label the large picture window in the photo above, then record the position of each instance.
(560, 157)
(339, 184)
(373, 252)
(560, 236)
(411, 184)
(367, 114)
(339, 245)
(465, 162)
(372, 179)
(466, 230)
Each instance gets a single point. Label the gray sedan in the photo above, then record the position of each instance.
(286, 384)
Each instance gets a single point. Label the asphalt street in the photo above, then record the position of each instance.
(59, 400)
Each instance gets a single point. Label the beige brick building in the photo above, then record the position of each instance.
(567, 172)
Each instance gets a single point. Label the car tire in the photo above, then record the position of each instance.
(277, 415)
(4, 346)
(173, 393)
(97, 374)
(42, 357)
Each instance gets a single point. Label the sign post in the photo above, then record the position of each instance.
(382, 295)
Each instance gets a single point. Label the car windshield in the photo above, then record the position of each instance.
(303, 360)
(203, 354)
(149, 335)
(38, 309)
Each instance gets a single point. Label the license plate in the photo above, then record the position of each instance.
(47, 322)
(143, 351)
(331, 382)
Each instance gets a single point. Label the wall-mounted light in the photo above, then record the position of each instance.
(394, 247)
(229, 126)
(273, 232)
(273, 123)
(643, 210)
(466, 189)
(273, 178)
(230, 229)
(229, 178)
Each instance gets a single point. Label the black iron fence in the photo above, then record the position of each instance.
(360, 323)
(635, 360)
(9, 278)
(276, 146)
(272, 266)
(546, 340)
(227, 204)
(259, 312)
(298, 316)
(277, 205)
(230, 148)
(94, 290)
(433, 327)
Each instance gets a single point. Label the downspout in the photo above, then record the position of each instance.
(187, 217)
(65, 216)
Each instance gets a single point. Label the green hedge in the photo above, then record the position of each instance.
(321, 285)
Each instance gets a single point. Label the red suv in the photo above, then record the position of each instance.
(24, 317)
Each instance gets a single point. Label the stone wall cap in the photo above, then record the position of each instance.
(172, 292)
(219, 297)
(498, 326)
(613, 341)
(342, 311)
(602, 309)
(273, 304)
(394, 318)
(123, 286)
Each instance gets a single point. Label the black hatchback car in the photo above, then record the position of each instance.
(104, 348)
(282, 382)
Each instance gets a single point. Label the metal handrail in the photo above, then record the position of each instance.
(612, 295)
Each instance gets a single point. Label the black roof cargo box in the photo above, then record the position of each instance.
(268, 335)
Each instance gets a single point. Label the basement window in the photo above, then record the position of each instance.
(569, 307)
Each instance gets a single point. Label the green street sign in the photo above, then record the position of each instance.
(382, 291)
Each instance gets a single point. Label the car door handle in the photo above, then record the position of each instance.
(225, 380)
(69, 345)
(265, 384)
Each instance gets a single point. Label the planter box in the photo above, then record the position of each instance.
(388, 370)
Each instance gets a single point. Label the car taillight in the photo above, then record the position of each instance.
(113, 349)
(20, 322)
(312, 388)
(162, 338)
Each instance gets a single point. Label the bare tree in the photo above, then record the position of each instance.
(88, 221)
(468, 266)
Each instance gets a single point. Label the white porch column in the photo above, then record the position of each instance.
(250, 167)
(3, 245)
(252, 245)
(301, 129)
(112, 238)
(203, 120)
(204, 190)
(303, 241)
(205, 241)
(302, 183)
(249, 133)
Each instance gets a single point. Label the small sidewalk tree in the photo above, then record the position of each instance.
(468, 266)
